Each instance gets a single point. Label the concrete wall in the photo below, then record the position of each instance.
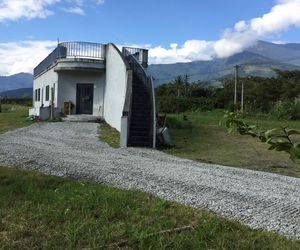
(116, 84)
(48, 78)
(67, 88)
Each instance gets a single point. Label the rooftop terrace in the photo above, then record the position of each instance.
(86, 50)
(72, 50)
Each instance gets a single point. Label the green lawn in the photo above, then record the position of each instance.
(109, 135)
(12, 117)
(201, 138)
(46, 212)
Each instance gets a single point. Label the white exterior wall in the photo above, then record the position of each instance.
(67, 88)
(116, 84)
(47, 78)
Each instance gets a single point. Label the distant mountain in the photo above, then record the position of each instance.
(258, 60)
(17, 93)
(285, 53)
(21, 80)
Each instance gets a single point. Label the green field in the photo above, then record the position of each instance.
(13, 116)
(201, 138)
(46, 212)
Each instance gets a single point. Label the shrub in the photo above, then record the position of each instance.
(288, 110)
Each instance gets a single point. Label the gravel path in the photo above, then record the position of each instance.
(260, 200)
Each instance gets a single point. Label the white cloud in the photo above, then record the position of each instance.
(16, 57)
(190, 51)
(244, 34)
(99, 2)
(75, 10)
(13, 10)
(279, 42)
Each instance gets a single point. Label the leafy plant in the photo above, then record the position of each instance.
(288, 110)
(279, 139)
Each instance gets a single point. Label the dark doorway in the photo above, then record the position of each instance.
(84, 99)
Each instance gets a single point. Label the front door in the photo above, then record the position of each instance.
(84, 99)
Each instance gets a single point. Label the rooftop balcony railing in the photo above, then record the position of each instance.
(141, 55)
(72, 50)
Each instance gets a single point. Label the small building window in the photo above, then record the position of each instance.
(36, 95)
(39, 95)
(47, 93)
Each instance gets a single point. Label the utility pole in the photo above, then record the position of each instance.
(242, 98)
(236, 82)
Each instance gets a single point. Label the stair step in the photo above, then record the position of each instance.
(137, 127)
(140, 104)
(140, 132)
(140, 119)
(141, 123)
(140, 142)
(141, 145)
(140, 126)
(142, 101)
(141, 115)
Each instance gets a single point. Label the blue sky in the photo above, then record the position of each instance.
(174, 30)
(155, 22)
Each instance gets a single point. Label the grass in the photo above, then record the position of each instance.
(46, 212)
(201, 138)
(109, 135)
(12, 117)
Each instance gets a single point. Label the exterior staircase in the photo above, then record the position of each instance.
(140, 133)
(139, 111)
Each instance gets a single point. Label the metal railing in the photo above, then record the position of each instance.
(141, 55)
(72, 50)
(59, 52)
(84, 50)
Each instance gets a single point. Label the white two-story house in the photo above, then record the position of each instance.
(102, 81)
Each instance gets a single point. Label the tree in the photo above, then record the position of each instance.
(279, 139)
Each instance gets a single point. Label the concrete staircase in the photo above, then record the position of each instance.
(140, 127)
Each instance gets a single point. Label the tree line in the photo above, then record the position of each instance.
(276, 95)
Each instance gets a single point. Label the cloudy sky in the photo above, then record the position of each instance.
(173, 30)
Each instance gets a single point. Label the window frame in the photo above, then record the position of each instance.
(47, 93)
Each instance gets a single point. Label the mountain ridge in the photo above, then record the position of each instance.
(255, 61)
(17, 81)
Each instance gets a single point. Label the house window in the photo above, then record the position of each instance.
(53, 93)
(36, 95)
(39, 95)
(47, 93)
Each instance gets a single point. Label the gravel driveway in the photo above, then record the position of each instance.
(260, 200)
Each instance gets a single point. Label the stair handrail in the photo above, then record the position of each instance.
(153, 112)
(148, 81)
